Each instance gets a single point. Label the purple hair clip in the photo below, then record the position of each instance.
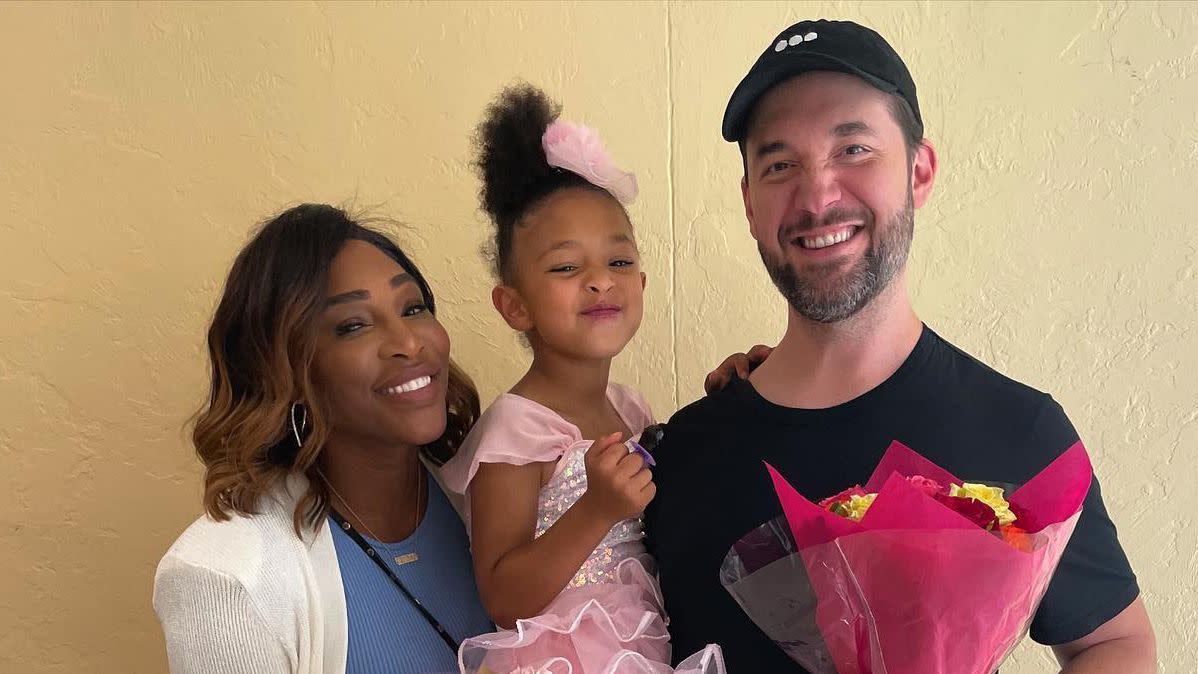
(651, 436)
(634, 447)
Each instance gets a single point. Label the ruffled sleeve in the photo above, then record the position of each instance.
(513, 430)
(631, 406)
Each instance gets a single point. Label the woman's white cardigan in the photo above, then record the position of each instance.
(249, 595)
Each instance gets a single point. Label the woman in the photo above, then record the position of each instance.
(332, 395)
(332, 389)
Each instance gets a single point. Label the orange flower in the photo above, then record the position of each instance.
(1016, 537)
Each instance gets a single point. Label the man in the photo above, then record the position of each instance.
(835, 165)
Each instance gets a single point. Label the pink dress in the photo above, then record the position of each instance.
(609, 619)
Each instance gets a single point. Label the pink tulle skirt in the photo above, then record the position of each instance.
(599, 628)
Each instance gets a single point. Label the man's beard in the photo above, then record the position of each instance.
(811, 294)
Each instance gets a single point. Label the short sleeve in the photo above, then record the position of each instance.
(1094, 581)
(513, 430)
(631, 406)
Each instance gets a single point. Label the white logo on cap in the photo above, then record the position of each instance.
(795, 40)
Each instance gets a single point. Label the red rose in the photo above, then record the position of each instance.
(971, 509)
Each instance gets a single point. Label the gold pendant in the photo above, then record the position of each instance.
(407, 558)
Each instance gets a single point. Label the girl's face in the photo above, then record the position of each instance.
(382, 359)
(578, 287)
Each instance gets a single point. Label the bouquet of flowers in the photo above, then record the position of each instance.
(917, 571)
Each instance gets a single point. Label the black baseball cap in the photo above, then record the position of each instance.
(840, 46)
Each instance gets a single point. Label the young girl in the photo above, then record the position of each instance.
(554, 491)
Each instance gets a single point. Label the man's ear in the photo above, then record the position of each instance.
(744, 195)
(923, 173)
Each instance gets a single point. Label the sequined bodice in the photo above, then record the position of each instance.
(625, 540)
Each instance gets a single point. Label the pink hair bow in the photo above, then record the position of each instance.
(578, 149)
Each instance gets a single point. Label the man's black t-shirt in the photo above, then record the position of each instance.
(712, 487)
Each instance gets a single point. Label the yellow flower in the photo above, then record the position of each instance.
(991, 496)
(856, 506)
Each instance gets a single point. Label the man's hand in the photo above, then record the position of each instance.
(736, 365)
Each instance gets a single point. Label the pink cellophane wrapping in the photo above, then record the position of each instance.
(912, 588)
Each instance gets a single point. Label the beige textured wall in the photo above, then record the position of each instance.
(138, 143)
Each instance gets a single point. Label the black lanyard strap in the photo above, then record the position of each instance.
(374, 555)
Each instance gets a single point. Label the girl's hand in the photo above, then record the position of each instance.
(619, 486)
(737, 365)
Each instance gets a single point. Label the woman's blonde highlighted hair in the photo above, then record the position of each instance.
(261, 344)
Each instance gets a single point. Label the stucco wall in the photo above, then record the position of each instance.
(139, 143)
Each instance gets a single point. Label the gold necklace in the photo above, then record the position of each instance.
(406, 558)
